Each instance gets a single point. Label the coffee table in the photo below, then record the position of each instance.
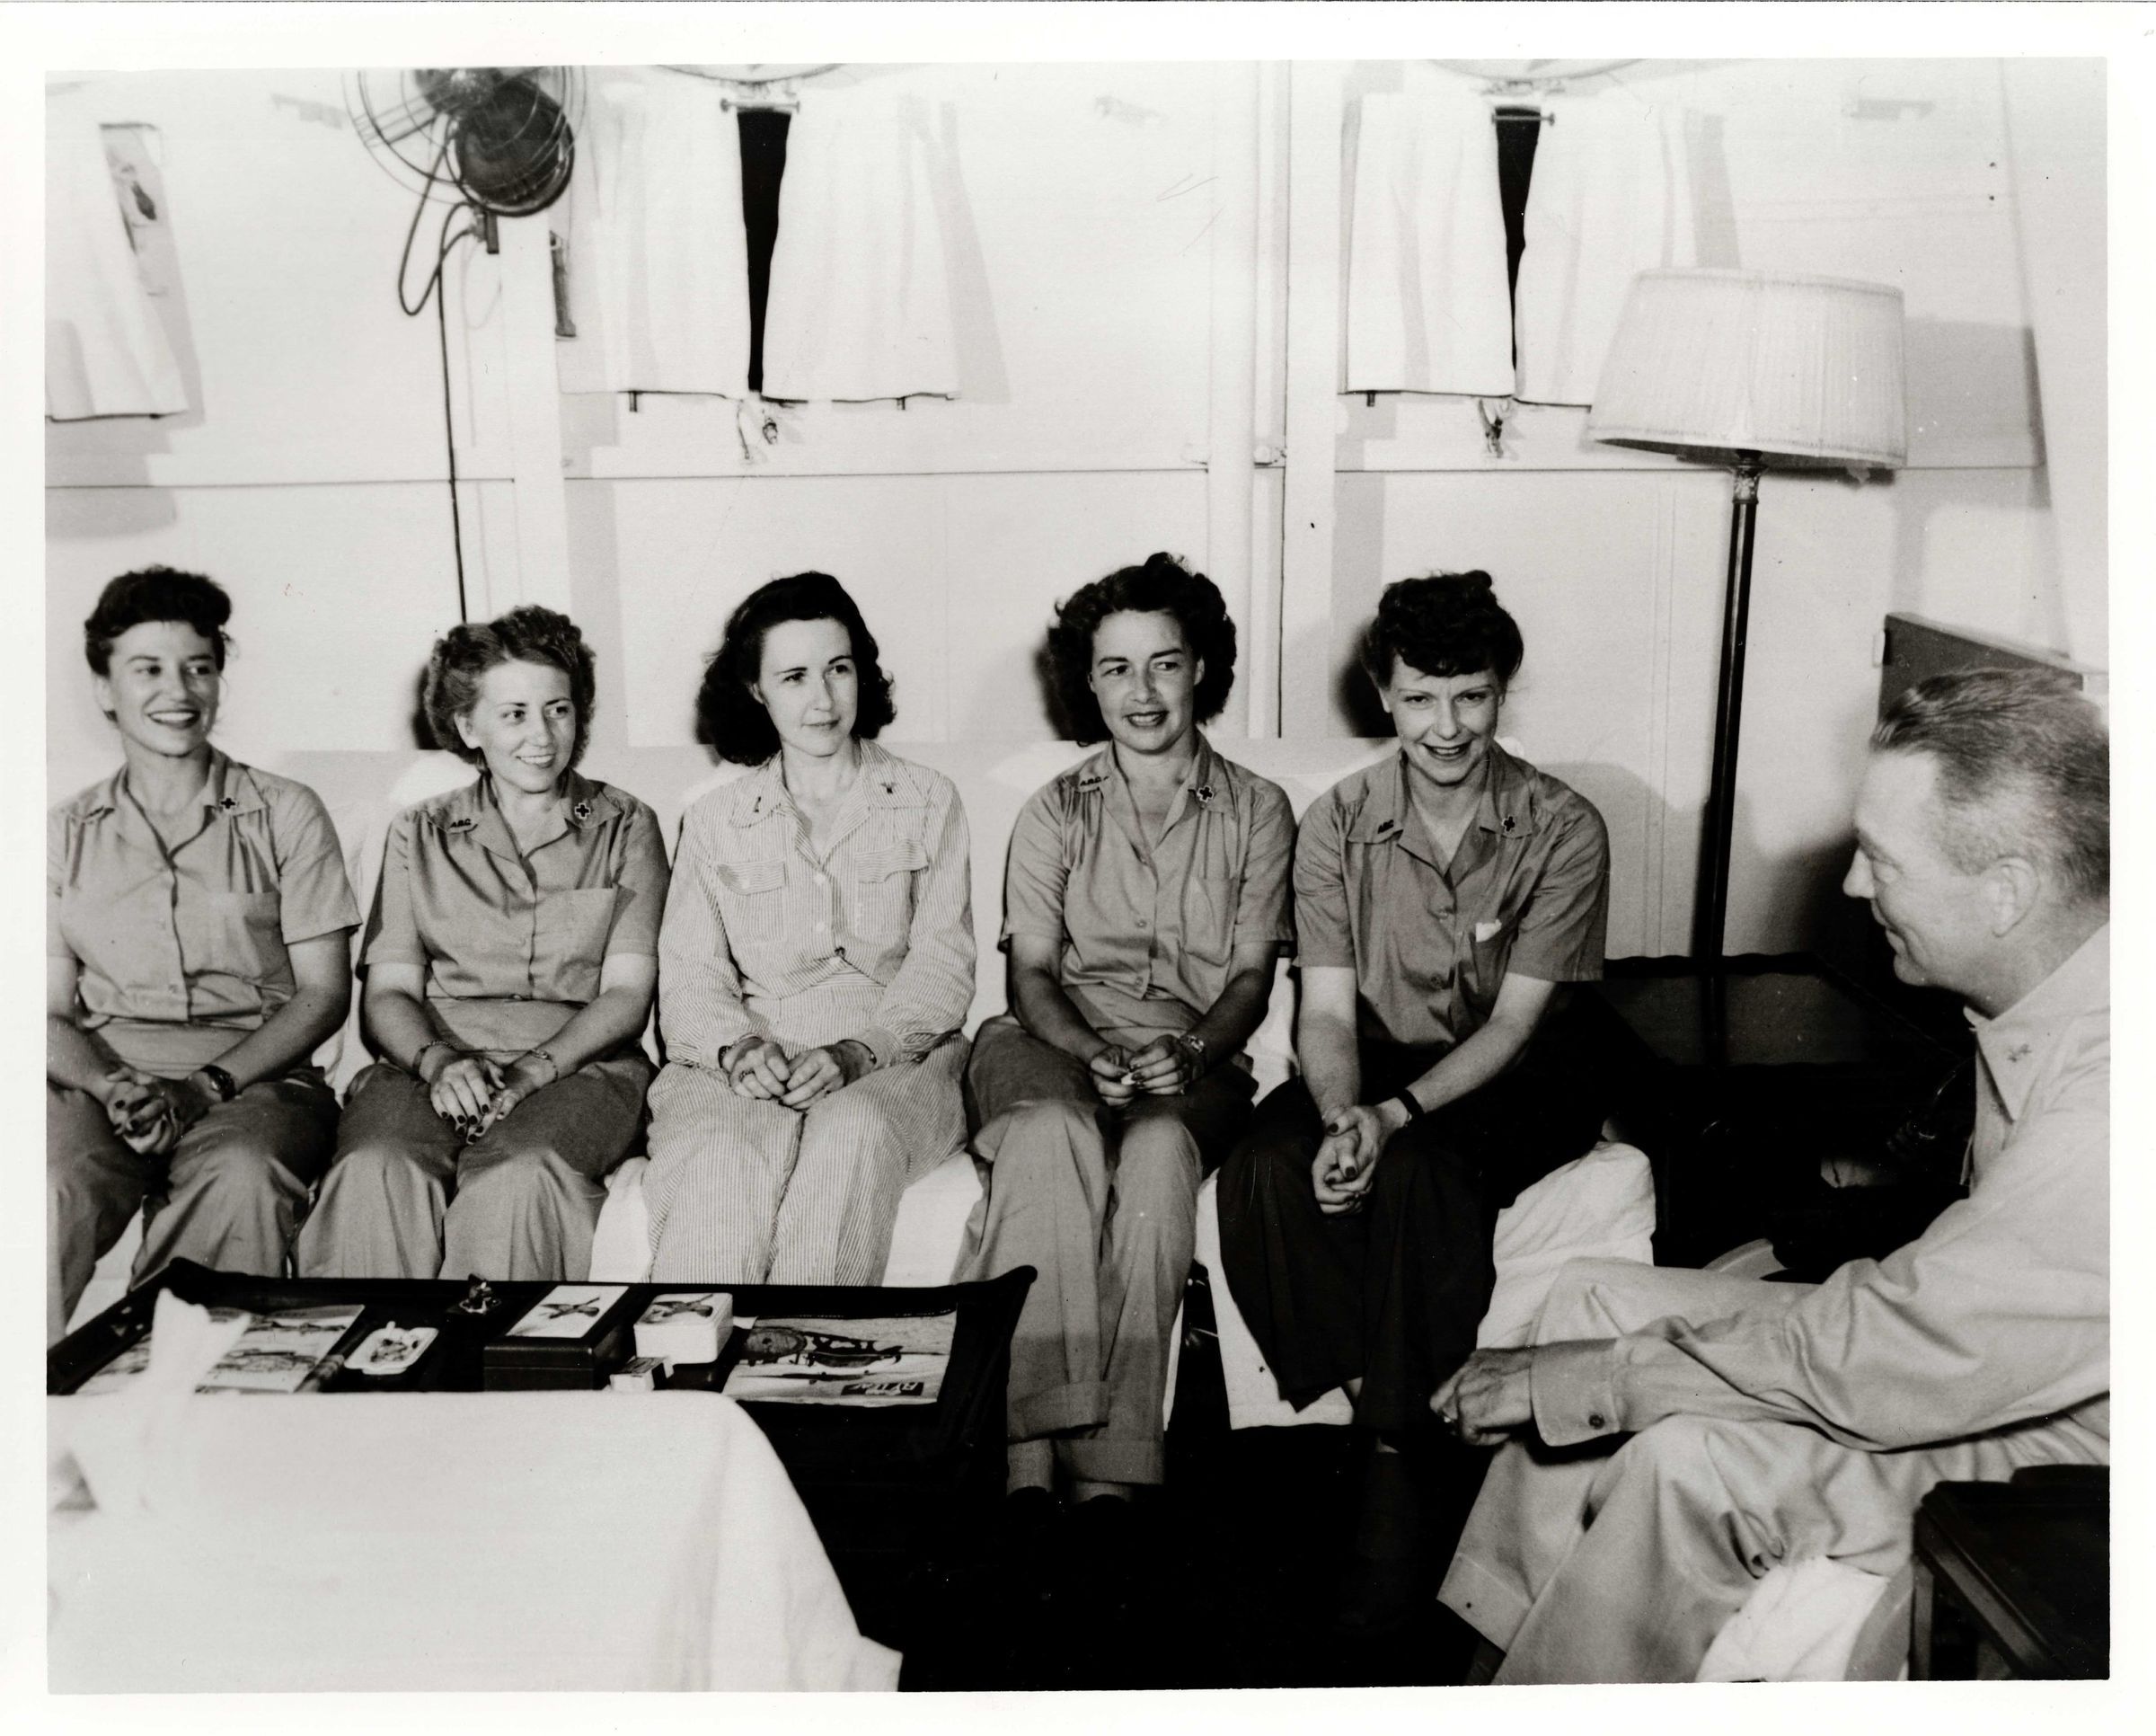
(894, 1494)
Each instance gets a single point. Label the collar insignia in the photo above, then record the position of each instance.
(462, 823)
(228, 804)
(580, 812)
(1205, 792)
(1509, 825)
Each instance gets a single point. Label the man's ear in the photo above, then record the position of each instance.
(2010, 886)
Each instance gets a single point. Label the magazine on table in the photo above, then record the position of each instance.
(275, 1354)
(811, 1359)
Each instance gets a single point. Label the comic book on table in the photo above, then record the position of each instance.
(862, 1361)
(276, 1353)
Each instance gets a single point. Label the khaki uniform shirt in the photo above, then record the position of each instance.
(873, 941)
(1527, 889)
(512, 944)
(1997, 1316)
(180, 949)
(1148, 931)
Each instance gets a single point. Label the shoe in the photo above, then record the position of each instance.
(1106, 1542)
(1387, 1578)
(1028, 1544)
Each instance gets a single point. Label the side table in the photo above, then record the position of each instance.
(2013, 1579)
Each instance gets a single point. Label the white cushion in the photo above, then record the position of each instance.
(1602, 1204)
(1599, 1205)
(1802, 1623)
(924, 1238)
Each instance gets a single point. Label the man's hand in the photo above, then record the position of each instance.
(1488, 1397)
(1163, 1067)
(1113, 1081)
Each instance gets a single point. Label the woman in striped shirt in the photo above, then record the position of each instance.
(816, 964)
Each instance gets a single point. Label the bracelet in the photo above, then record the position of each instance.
(1406, 1100)
(420, 1054)
(553, 1066)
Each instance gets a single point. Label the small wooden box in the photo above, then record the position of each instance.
(573, 1360)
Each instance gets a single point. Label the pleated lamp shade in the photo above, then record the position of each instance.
(1715, 364)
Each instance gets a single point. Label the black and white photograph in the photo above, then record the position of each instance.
(1038, 849)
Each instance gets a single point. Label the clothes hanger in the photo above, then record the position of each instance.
(772, 93)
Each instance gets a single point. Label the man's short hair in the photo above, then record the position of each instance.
(2024, 767)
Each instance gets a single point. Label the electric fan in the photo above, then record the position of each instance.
(501, 139)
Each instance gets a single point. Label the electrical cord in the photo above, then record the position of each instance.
(435, 291)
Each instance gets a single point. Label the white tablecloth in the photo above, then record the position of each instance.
(444, 1541)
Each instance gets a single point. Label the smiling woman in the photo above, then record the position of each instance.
(1145, 903)
(197, 950)
(819, 963)
(510, 966)
(1443, 899)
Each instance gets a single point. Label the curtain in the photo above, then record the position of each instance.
(859, 302)
(1427, 306)
(657, 252)
(106, 353)
(1611, 196)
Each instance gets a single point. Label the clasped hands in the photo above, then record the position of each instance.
(762, 1066)
(473, 1093)
(149, 1113)
(1162, 1067)
(1346, 1156)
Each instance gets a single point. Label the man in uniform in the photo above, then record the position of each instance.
(1755, 1423)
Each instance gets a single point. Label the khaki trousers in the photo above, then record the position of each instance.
(228, 1196)
(1101, 1203)
(744, 1190)
(405, 1200)
(1595, 1566)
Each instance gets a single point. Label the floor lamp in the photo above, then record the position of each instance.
(1744, 369)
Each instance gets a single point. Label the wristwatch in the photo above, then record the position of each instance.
(1194, 1046)
(222, 1082)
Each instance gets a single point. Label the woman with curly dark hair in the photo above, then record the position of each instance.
(198, 948)
(508, 970)
(816, 964)
(1443, 899)
(1146, 901)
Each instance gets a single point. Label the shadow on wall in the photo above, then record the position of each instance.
(112, 452)
(975, 343)
(107, 514)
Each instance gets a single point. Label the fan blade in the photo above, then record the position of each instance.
(394, 126)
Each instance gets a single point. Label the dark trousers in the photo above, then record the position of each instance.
(1391, 1294)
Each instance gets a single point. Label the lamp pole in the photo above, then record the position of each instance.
(1709, 919)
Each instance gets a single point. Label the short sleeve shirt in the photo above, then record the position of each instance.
(512, 943)
(196, 933)
(1527, 889)
(1148, 931)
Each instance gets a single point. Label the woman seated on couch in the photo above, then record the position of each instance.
(1442, 898)
(1144, 904)
(196, 950)
(816, 963)
(508, 963)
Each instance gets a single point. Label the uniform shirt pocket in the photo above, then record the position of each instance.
(752, 900)
(571, 943)
(1208, 904)
(883, 887)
